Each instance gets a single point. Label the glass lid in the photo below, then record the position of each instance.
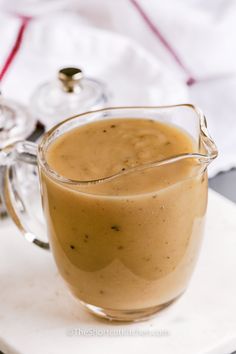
(16, 123)
(70, 94)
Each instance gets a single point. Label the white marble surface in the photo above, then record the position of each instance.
(37, 315)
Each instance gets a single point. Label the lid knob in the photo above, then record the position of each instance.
(70, 78)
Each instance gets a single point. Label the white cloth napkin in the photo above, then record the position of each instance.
(186, 39)
(132, 75)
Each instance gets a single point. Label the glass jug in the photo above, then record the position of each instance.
(123, 257)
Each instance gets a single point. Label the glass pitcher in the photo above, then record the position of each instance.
(123, 256)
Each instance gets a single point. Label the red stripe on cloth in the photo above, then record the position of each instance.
(190, 81)
(16, 46)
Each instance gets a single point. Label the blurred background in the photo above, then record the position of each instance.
(142, 52)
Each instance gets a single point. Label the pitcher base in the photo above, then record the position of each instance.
(127, 315)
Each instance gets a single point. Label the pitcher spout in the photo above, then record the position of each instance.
(206, 144)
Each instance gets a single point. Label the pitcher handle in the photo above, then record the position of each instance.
(26, 152)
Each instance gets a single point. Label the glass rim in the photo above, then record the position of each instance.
(209, 144)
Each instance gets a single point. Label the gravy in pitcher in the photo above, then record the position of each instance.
(131, 241)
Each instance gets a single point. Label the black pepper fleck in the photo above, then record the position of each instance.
(113, 126)
(72, 247)
(115, 227)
